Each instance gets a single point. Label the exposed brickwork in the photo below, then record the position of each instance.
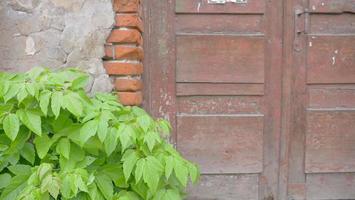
(124, 52)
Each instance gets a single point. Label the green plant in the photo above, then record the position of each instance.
(58, 143)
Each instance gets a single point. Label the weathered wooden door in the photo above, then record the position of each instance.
(251, 96)
(319, 143)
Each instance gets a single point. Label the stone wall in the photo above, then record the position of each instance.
(55, 34)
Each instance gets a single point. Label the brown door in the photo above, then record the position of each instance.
(320, 64)
(254, 103)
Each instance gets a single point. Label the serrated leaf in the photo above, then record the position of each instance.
(20, 169)
(11, 125)
(31, 120)
(73, 104)
(129, 160)
(181, 172)
(80, 82)
(63, 147)
(164, 126)
(194, 173)
(56, 102)
(28, 153)
(105, 185)
(152, 173)
(124, 134)
(151, 138)
(12, 91)
(44, 101)
(145, 122)
(139, 169)
(169, 166)
(102, 127)
(88, 130)
(110, 142)
(43, 145)
(31, 89)
(5, 180)
(22, 94)
(16, 186)
(172, 195)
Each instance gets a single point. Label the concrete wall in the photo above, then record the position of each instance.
(55, 34)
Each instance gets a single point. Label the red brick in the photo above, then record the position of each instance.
(126, 6)
(125, 36)
(125, 84)
(121, 68)
(130, 98)
(129, 20)
(124, 52)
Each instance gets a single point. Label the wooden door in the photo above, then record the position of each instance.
(215, 73)
(319, 146)
(261, 94)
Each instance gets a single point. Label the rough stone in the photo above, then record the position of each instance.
(56, 34)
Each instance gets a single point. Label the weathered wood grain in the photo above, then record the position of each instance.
(220, 58)
(222, 143)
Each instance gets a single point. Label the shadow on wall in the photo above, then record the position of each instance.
(55, 34)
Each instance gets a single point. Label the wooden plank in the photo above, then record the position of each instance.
(334, 96)
(227, 187)
(331, 59)
(330, 140)
(209, 23)
(331, 186)
(220, 105)
(332, 6)
(220, 58)
(188, 89)
(203, 6)
(332, 24)
(222, 143)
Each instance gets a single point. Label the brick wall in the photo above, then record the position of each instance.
(124, 52)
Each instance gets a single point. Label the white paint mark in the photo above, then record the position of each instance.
(198, 7)
(322, 4)
(310, 44)
(336, 51)
(226, 1)
(30, 46)
(313, 7)
(333, 60)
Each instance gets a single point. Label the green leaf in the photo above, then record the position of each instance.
(164, 126)
(52, 185)
(129, 160)
(172, 195)
(56, 103)
(181, 172)
(5, 180)
(80, 82)
(152, 173)
(194, 173)
(111, 141)
(88, 130)
(31, 120)
(11, 126)
(105, 185)
(12, 91)
(31, 89)
(139, 169)
(20, 169)
(22, 94)
(28, 153)
(63, 147)
(44, 99)
(102, 127)
(73, 104)
(151, 138)
(124, 134)
(145, 122)
(16, 186)
(169, 166)
(43, 145)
